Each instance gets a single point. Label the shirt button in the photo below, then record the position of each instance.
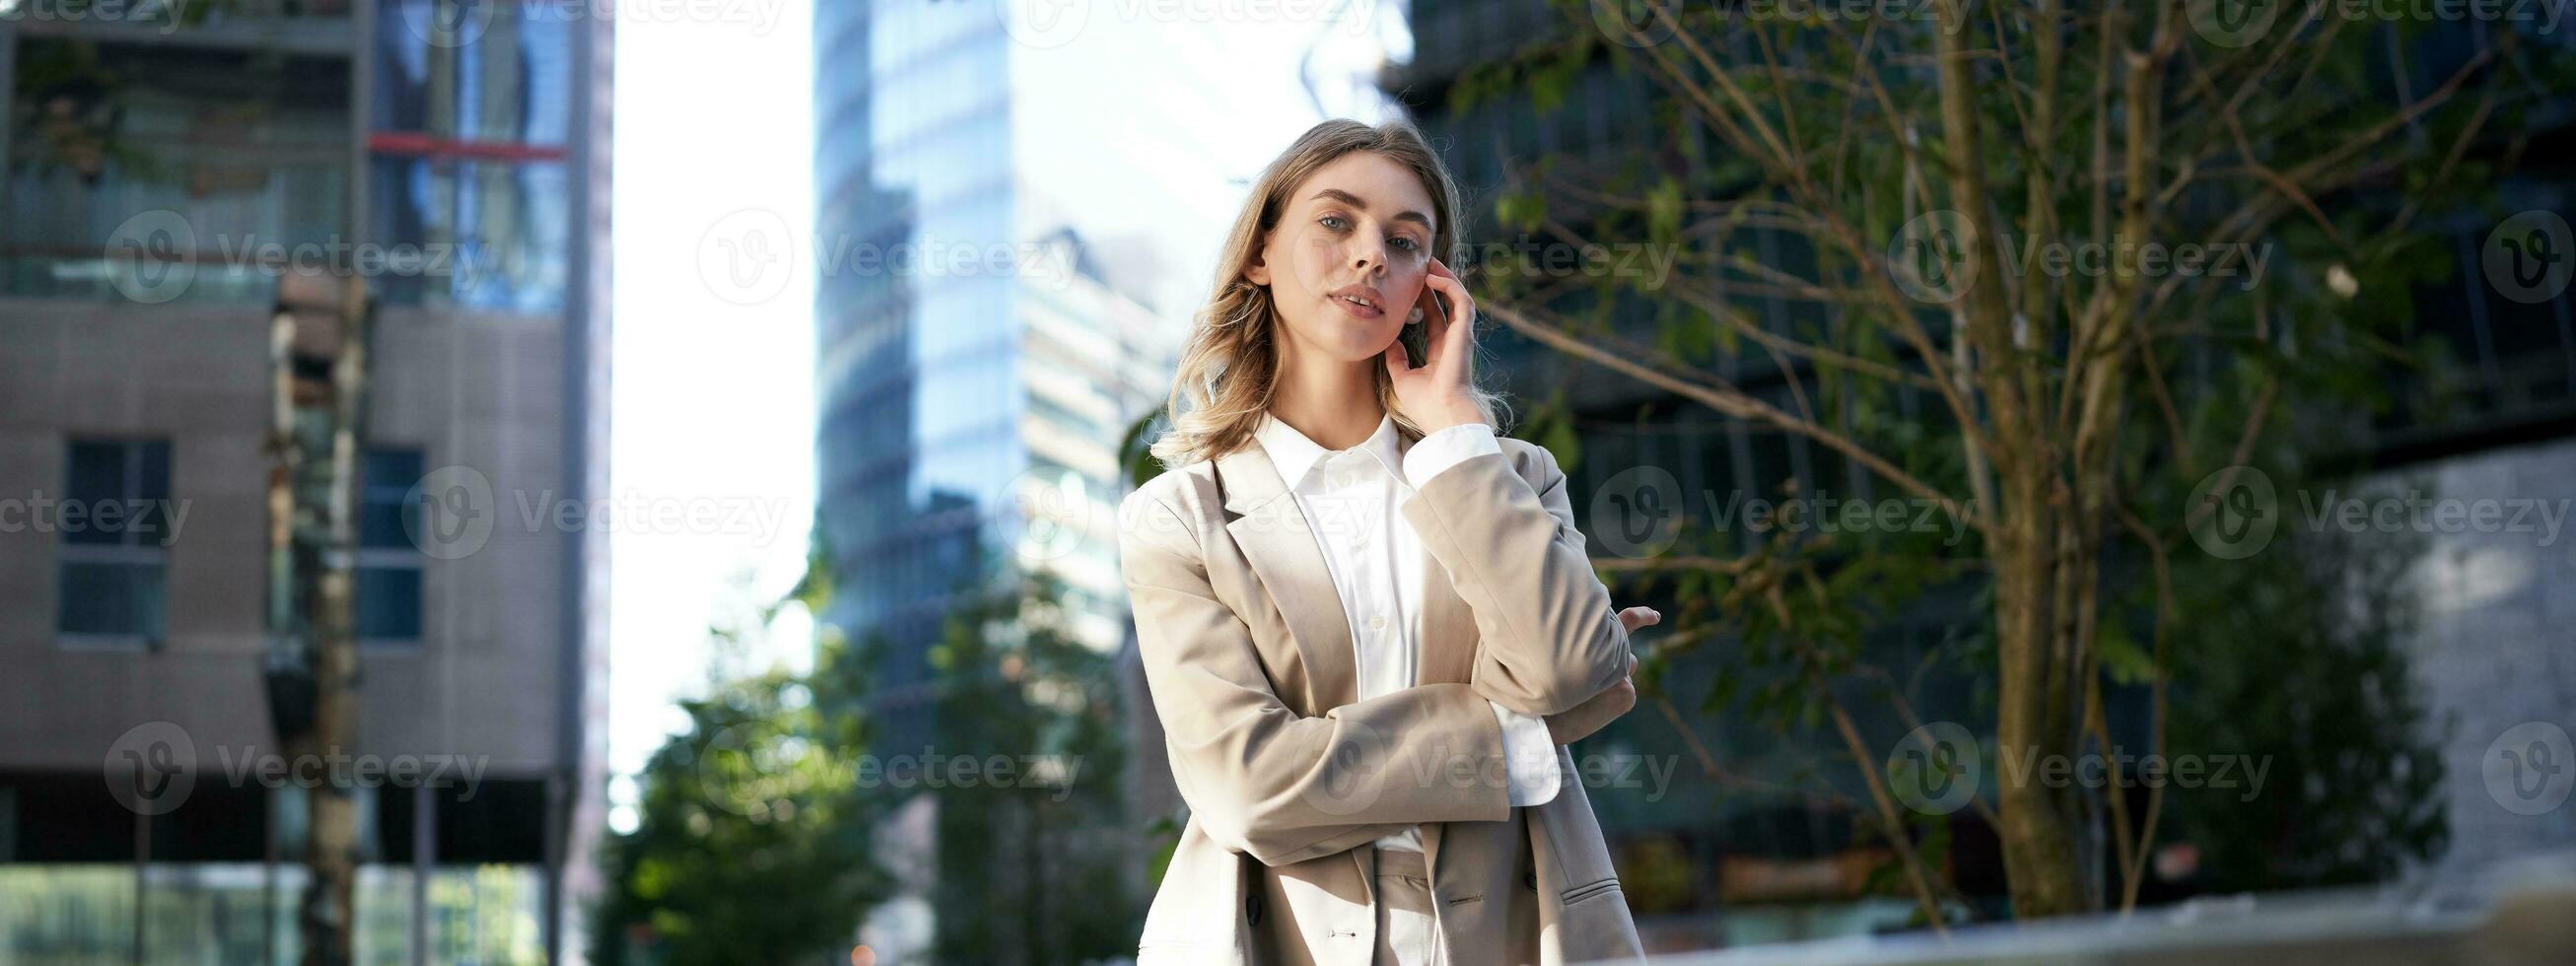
(1377, 622)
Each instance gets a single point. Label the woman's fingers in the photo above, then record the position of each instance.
(1636, 617)
(1451, 334)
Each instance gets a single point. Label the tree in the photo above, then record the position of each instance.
(754, 840)
(1980, 209)
(1032, 855)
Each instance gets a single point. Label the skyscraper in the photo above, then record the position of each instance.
(978, 361)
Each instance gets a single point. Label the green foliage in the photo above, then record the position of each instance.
(1033, 868)
(753, 838)
(1797, 175)
(2285, 673)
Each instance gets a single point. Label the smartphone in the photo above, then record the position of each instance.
(1417, 337)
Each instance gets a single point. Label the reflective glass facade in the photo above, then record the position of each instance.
(917, 366)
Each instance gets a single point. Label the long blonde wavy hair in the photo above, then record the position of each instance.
(1230, 364)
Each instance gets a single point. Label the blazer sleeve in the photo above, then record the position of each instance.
(1549, 638)
(1263, 779)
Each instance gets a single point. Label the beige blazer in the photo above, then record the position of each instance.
(1248, 658)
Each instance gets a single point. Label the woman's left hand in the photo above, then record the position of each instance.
(1438, 395)
(1636, 617)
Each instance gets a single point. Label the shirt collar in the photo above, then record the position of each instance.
(1294, 455)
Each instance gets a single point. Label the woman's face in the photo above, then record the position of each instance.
(1358, 228)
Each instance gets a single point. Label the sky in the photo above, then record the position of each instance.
(711, 401)
(1143, 127)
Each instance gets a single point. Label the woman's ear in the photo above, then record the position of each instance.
(1257, 273)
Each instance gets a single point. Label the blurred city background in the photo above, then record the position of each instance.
(625, 481)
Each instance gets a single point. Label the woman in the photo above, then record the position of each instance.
(1367, 621)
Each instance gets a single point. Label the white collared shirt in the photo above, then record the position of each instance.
(1351, 499)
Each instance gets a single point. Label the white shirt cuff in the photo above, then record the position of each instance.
(1529, 757)
(1441, 449)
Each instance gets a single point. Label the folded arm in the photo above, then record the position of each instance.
(1262, 778)
(1549, 637)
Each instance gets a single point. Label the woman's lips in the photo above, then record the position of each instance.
(1358, 310)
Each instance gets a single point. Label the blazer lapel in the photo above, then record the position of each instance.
(1276, 539)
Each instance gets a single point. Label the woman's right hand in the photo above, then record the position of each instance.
(1578, 722)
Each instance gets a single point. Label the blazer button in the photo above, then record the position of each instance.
(1252, 908)
(1530, 879)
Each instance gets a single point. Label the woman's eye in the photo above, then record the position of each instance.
(1407, 242)
(1333, 222)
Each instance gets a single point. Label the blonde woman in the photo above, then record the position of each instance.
(1367, 619)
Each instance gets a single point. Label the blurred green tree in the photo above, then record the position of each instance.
(1035, 855)
(753, 842)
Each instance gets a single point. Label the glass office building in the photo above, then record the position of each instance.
(474, 130)
(916, 373)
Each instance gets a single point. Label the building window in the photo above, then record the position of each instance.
(469, 144)
(116, 526)
(389, 563)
